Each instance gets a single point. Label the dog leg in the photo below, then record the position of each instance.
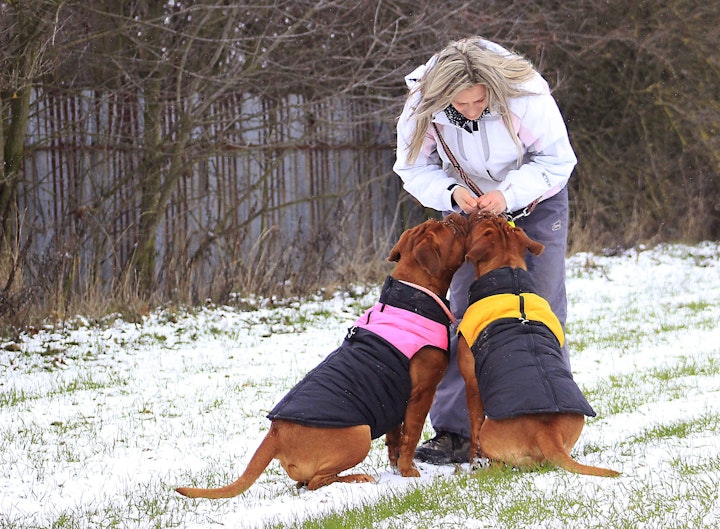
(338, 453)
(320, 481)
(315, 456)
(476, 410)
(525, 442)
(308, 455)
(392, 441)
(427, 368)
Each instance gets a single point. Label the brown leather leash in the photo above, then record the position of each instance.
(472, 185)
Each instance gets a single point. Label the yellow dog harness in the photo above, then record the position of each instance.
(523, 306)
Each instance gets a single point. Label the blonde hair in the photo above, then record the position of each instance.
(463, 64)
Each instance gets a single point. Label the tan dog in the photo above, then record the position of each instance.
(315, 441)
(509, 356)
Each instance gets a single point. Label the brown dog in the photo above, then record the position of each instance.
(367, 387)
(509, 356)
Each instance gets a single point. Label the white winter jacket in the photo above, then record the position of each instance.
(489, 156)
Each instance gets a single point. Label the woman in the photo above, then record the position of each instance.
(480, 110)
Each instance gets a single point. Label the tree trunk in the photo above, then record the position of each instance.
(142, 262)
(13, 148)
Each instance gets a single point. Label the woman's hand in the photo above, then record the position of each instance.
(492, 202)
(466, 200)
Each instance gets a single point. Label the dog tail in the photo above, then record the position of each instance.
(568, 463)
(258, 463)
(555, 452)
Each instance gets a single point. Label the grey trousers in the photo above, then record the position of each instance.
(546, 224)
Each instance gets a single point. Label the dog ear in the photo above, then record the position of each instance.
(535, 247)
(397, 250)
(482, 242)
(427, 254)
(476, 252)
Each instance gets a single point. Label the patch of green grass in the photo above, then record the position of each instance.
(709, 422)
(509, 499)
(638, 323)
(610, 395)
(83, 382)
(12, 397)
(621, 339)
(688, 464)
(689, 367)
(154, 338)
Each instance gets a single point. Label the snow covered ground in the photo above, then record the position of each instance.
(99, 421)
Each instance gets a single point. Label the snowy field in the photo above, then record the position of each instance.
(99, 421)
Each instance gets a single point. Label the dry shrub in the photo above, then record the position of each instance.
(640, 91)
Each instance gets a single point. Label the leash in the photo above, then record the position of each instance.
(472, 185)
(524, 212)
(433, 295)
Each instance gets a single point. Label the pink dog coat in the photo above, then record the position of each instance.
(406, 330)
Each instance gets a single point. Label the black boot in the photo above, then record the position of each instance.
(444, 449)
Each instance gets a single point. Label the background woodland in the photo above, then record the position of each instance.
(179, 152)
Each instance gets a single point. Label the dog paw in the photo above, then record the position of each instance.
(411, 472)
(479, 463)
(357, 478)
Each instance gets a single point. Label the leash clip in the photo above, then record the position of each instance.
(510, 219)
(351, 332)
(524, 212)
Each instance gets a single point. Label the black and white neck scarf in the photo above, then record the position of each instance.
(456, 118)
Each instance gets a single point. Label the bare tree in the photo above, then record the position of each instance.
(27, 38)
(195, 133)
